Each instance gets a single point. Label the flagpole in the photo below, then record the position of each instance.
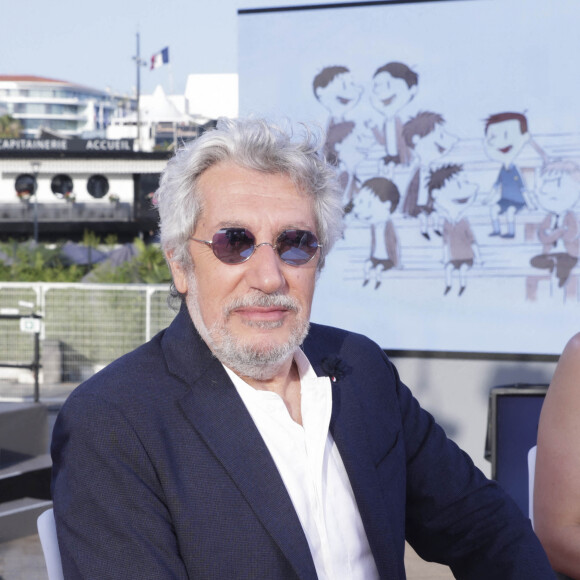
(138, 63)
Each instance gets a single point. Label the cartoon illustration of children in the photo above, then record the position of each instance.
(559, 192)
(453, 195)
(394, 86)
(375, 202)
(335, 89)
(426, 136)
(340, 151)
(506, 134)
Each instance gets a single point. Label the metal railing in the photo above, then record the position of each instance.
(83, 328)
(32, 324)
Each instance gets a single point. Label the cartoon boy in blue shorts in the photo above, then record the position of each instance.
(506, 134)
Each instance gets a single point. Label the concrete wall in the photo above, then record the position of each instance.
(455, 390)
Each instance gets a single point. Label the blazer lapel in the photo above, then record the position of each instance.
(218, 414)
(348, 426)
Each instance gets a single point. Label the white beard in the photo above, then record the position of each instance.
(253, 359)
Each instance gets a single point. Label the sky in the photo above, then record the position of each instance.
(94, 43)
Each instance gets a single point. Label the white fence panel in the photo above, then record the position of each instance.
(85, 327)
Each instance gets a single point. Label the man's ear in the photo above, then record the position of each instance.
(177, 272)
(413, 90)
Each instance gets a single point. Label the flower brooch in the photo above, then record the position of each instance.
(334, 367)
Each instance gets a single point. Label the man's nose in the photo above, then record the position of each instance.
(264, 269)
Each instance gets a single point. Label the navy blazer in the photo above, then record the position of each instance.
(159, 472)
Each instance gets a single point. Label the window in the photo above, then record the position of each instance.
(62, 109)
(35, 109)
(30, 124)
(98, 186)
(60, 124)
(61, 185)
(25, 185)
(40, 93)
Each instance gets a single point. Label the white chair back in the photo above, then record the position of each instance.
(531, 475)
(47, 534)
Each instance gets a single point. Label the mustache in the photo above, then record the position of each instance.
(262, 301)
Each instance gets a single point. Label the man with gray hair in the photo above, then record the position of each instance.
(245, 442)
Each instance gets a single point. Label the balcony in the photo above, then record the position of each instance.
(66, 212)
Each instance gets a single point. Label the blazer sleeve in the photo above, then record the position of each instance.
(111, 517)
(455, 515)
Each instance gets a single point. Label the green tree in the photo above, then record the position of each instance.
(26, 262)
(30, 263)
(10, 128)
(147, 267)
(150, 263)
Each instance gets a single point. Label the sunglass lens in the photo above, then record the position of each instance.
(297, 247)
(233, 245)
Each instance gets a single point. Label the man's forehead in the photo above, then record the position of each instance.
(230, 179)
(225, 189)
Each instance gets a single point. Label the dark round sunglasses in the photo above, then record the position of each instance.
(236, 245)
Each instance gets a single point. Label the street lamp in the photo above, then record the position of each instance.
(35, 169)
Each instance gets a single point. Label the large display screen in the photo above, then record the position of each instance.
(455, 129)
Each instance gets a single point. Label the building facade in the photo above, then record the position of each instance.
(53, 189)
(43, 104)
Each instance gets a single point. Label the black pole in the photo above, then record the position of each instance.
(36, 366)
(35, 232)
(138, 61)
(35, 169)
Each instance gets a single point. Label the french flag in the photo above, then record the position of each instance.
(160, 58)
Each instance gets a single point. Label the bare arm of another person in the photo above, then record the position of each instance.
(557, 480)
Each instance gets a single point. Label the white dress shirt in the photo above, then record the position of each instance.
(313, 473)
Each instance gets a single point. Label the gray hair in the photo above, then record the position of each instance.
(252, 144)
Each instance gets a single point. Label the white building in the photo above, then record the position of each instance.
(168, 119)
(164, 121)
(71, 110)
(212, 95)
(78, 164)
(62, 187)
